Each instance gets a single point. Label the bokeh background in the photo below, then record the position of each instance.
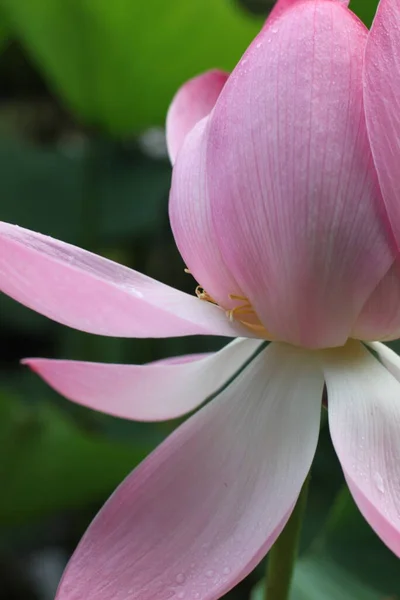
(85, 86)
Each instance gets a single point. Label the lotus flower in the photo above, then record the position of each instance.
(277, 210)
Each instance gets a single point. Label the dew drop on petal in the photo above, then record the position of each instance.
(209, 573)
(379, 482)
(226, 571)
(180, 578)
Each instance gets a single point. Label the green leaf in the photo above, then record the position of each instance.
(317, 578)
(50, 463)
(118, 64)
(364, 9)
(351, 543)
(4, 30)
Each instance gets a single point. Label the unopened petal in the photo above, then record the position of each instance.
(364, 420)
(152, 392)
(382, 104)
(293, 193)
(192, 223)
(197, 516)
(193, 101)
(282, 5)
(93, 294)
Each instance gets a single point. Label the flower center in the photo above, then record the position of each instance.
(244, 313)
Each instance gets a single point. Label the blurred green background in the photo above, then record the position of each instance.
(85, 86)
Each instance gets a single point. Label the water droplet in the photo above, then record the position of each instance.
(243, 62)
(180, 578)
(226, 571)
(209, 573)
(259, 45)
(379, 482)
(196, 595)
(180, 595)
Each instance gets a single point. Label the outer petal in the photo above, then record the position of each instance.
(292, 187)
(203, 509)
(364, 419)
(194, 100)
(382, 103)
(152, 392)
(380, 317)
(390, 359)
(88, 292)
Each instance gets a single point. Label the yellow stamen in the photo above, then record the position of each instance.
(203, 295)
(236, 313)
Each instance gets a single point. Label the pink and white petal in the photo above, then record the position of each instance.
(152, 392)
(93, 294)
(201, 511)
(380, 317)
(388, 358)
(364, 420)
(293, 192)
(382, 104)
(191, 219)
(193, 101)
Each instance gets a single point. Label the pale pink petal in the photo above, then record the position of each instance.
(193, 101)
(197, 516)
(293, 193)
(91, 293)
(364, 419)
(191, 222)
(380, 317)
(388, 357)
(382, 104)
(153, 392)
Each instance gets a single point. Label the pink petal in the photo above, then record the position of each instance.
(196, 517)
(380, 317)
(283, 5)
(294, 199)
(191, 222)
(364, 419)
(382, 103)
(193, 101)
(91, 293)
(152, 392)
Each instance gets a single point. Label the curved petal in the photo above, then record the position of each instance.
(93, 294)
(191, 222)
(153, 392)
(364, 419)
(193, 101)
(293, 192)
(382, 104)
(388, 357)
(201, 511)
(380, 316)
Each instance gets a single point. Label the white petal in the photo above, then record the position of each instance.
(364, 419)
